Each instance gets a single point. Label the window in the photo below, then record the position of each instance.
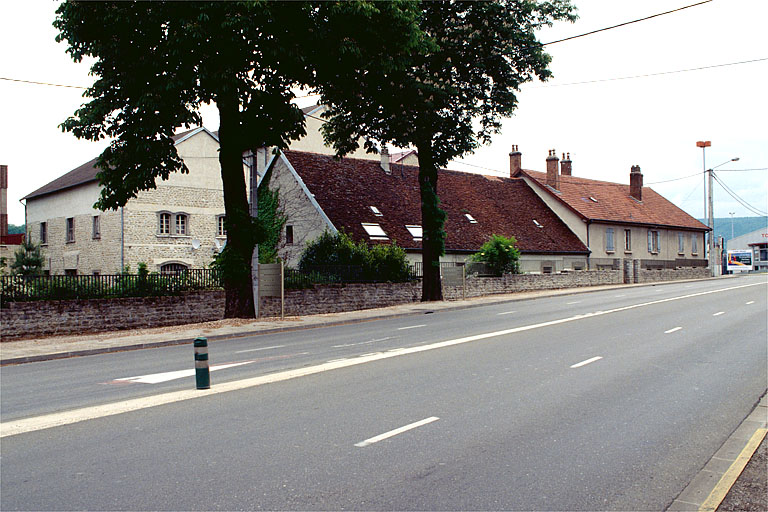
(165, 224)
(96, 273)
(416, 232)
(181, 224)
(470, 218)
(627, 240)
(694, 244)
(537, 223)
(653, 241)
(763, 254)
(96, 227)
(288, 235)
(374, 231)
(170, 268)
(221, 229)
(680, 243)
(70, 229)
(609, 245)
(43, 232)
(70, 272)
(376, 211)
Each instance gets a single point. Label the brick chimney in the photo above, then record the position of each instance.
(385, 160)
(553, 178)
(636, 183)
(565, 165)
(515, 161)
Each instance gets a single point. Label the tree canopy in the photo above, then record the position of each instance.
(157, 63)
(449, 98)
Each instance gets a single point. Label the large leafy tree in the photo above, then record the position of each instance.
(449, 99)
(157, 63)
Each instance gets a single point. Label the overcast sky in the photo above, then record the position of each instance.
(606, 122)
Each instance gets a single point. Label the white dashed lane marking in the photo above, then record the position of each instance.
(672, 330)
(395, 432)
(586, 362)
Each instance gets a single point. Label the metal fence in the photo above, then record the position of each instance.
(17, 288)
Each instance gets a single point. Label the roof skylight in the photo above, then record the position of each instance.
(538, 225)
(376, 211)
(470, 218)
(416, 232)
(374, 231)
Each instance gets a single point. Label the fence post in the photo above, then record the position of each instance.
(202, 372)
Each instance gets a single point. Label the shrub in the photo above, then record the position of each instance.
(501, 255)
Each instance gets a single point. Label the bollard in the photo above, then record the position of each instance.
(202, 373)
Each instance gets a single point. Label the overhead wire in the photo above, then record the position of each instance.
(733, 194)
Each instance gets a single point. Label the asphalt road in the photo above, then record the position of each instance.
(596, 401)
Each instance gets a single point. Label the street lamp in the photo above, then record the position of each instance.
(712, 218)
(704, 144)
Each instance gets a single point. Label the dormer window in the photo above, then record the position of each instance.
(538, 225)
(376, 211)
(416, 232)
(592, 199)
(374, 231)
(470, 218)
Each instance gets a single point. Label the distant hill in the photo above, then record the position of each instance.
(13, 229)
(741, 226)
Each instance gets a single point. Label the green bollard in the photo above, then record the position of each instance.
(202, 373)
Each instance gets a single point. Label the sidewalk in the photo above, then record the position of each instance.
(724, 478)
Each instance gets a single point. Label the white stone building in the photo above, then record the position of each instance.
(179, 224)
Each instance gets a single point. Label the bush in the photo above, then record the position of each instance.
(501, 255)
(354, 260)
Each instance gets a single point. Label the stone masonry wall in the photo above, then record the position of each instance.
(58, 317)
(46, 318)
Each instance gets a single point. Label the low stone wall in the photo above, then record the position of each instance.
(57, 317)
(46, 318)
(669, 274)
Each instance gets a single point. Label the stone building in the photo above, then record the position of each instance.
(179, 224)
(617, 221)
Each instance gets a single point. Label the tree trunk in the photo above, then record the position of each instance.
(432, 221)
(240, 233)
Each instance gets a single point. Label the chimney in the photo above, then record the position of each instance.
(515, 161)
(565, 165)
(553, 178)
(636, 183)
(385, 160)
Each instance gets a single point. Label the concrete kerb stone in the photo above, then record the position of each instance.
(315, 321)
(696, 493)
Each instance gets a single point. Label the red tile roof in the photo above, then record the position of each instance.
(612, 202)
(346, 189)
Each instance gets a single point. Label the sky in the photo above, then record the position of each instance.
(601, 106)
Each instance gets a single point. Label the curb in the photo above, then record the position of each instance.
(424, 309)
(708, 488)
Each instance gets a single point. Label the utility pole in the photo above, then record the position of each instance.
(704, 144)
(711, 228)
(254, 187)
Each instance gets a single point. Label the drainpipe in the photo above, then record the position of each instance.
(589, 221)
(122, 240)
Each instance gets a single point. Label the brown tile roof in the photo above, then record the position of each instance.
(345, 189)
(85, 173)
(614, 204)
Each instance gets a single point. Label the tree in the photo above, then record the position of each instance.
(157, 63)
(28, 260)
(500, 253)
(449, 99)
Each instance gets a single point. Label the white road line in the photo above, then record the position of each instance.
(506, 313)
(619, 296)
(395, 432)
(364, 342)
(258, 349)
(719, 313)
(157, 378)
(672, 330)
(57, 419)
(574, 302)
(411, 327)
(586, 362)
(751, 302)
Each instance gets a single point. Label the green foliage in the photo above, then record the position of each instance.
(13, 229)
(271, 218)
(501, 254)
(377, 263)
(28, 260)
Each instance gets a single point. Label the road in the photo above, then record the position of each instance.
(593, 401)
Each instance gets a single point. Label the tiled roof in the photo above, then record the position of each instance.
(85, 173)
(346, 189)
(606, 201)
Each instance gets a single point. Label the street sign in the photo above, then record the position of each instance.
(270, 279)
(453, 276)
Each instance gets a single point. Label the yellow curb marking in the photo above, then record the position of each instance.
(729, 478)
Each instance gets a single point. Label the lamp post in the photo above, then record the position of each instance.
(704, 144)
(731, 214)
(712, 218)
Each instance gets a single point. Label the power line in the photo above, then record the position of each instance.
(41, 83)
(650, 74)
(736, 197)
(626, 23)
